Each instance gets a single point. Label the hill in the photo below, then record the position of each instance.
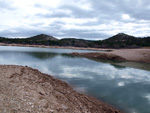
(75, 42)
(120, 40)
(42, 37)
(121, 37)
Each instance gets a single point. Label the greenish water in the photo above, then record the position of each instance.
(124, 87)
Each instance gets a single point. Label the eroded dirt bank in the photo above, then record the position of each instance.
(26, 90)
(100, 55)
(136, 55)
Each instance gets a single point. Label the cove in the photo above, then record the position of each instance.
(124, 87)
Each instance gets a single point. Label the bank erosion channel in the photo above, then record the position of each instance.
(126, 88)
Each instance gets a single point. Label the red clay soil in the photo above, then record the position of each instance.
(26, 90)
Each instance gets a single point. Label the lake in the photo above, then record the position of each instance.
(124, 87)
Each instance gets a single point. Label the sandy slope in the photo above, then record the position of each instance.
(139, 55)
(26, 90)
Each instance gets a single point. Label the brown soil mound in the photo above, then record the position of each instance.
(23, 89)
(98, 55)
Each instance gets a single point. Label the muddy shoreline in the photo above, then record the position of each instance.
(23, 89)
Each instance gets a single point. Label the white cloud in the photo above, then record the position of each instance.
(147, 96)
(121, 84)
(125, 16)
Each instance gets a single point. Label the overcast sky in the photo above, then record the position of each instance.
(87, 19)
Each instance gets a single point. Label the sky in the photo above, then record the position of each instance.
(85, 19)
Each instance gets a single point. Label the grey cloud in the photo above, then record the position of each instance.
(7, 5)
(113, 9)
(37, 24)
(98, 13)
(58, 30)
(57, 25)
(38, 5)
(19, 33)
(59, 14)
(105, 11)
(78, 12)
(138, 9)
(83, 34)
(108, 7)
(23, 32)
(92, 23)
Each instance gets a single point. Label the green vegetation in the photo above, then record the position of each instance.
(120, 40)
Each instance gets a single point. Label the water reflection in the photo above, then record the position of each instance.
(35, 49)
(42, 55)
(122, 64)
(118, 66)
(124, 87)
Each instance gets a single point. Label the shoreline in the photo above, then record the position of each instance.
(134, 55)
(61, 47)
(24, 89)
(122, 55)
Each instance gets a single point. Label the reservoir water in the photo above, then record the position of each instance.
(124, 87)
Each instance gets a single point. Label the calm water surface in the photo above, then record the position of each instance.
(124, 87)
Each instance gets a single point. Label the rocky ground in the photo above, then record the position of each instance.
(26, 90)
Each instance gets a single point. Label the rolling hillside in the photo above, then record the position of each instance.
(120, 40)
(42, 37)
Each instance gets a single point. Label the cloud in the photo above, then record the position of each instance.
(70, 18)
(78, 12)
(6, 5)
(59, 13)
(137, 9)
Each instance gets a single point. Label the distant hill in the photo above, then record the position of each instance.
(42, 37)
(122, 37)
(75, 42)
(120, 40)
